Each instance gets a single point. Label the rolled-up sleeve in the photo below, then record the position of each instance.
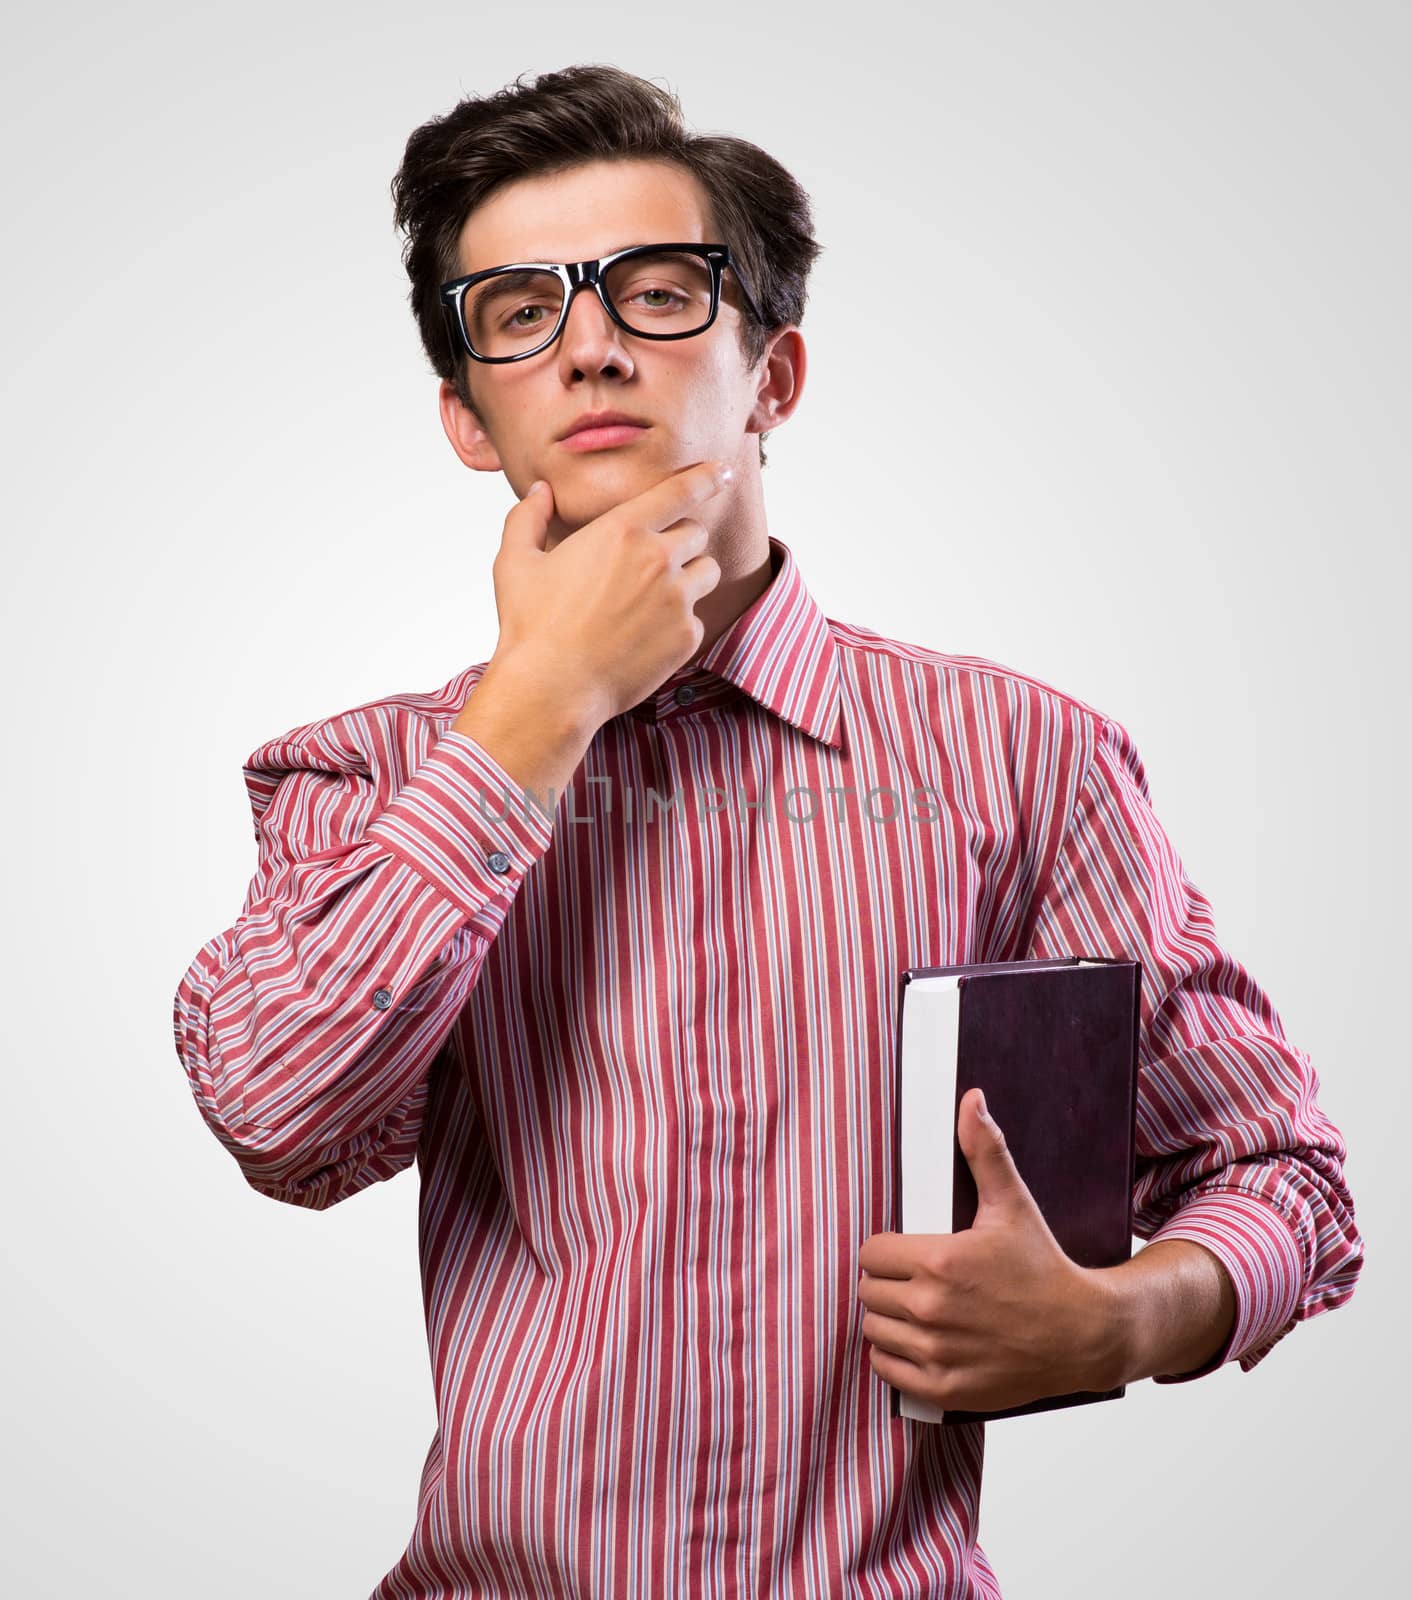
(309, 1028)
(1233, 1150)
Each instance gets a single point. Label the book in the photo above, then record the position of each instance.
(1053, 1044)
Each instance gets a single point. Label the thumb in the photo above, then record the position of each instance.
(527, 525)
(998, 1181)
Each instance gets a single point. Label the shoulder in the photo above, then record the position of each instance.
(373, 747)
(968, 683)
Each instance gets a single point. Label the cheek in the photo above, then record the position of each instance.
(715, 400)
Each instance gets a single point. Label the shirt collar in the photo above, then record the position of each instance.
(781, 652)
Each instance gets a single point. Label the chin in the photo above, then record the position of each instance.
(595, 484)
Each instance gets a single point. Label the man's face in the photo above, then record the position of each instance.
(696, 394)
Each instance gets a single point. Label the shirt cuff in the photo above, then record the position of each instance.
(1258, 1248)
(468, 828)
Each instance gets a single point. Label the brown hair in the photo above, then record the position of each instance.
(594, 113)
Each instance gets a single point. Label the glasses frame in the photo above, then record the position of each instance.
(576, 275)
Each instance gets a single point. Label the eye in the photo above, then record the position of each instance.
(520, 312)
(657, 305)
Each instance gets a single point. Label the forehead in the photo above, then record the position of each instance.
(586, 212)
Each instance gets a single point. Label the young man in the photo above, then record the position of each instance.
(640, 1039)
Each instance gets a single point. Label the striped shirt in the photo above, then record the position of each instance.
(640, 1041)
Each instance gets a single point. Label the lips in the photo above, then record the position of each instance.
(602, 419)
(610, 438)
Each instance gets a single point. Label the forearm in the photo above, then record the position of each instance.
(1170, 1308)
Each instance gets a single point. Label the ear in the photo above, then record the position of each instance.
(466, 431)
(781, 385)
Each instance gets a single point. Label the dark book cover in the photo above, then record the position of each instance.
(1054, 1046)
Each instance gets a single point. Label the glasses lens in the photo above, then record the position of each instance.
(661, 292)
(512, 312)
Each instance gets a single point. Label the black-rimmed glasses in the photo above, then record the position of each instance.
(653, 291)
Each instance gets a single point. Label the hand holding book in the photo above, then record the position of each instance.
(993, 1291)
(995, 1315)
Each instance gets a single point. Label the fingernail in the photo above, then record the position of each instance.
(980, 1097)
(537, 484)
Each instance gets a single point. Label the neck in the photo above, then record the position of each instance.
(740, 543)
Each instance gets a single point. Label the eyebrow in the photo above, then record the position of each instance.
(629, 245)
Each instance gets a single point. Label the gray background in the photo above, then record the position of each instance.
(1141, 435)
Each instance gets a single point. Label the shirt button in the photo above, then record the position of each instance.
(498, 861)
(685, 694)
(382, 999)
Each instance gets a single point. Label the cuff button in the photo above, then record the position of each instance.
(498, 861)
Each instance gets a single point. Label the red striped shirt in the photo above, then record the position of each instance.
(643, 1054)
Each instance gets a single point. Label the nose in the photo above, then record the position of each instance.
(591, 340)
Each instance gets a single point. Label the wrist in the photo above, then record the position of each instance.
(1172, 1307)
(1110, 1323)
(536, 734)
(533, 692)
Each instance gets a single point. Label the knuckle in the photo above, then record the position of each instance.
(929, 1305)
(943, 1391)
(937, 1264)
(655, 558)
